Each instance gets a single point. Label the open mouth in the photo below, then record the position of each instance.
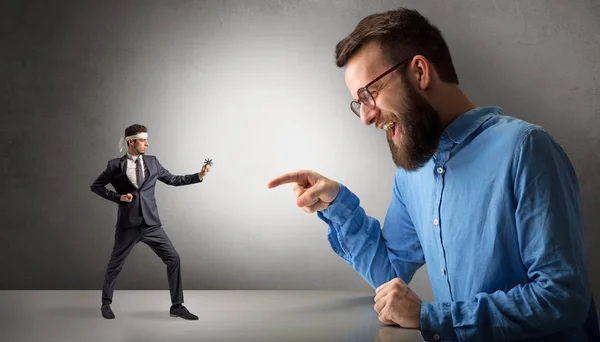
(391, 128)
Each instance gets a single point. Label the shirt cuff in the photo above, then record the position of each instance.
(342, 208)
(436, 322)
(336, 215)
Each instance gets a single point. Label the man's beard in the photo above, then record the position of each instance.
(419, 130)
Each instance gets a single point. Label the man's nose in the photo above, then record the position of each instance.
(369, 115)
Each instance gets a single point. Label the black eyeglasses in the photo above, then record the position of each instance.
(365, 96)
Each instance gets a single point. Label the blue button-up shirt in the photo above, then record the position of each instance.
(495, 215)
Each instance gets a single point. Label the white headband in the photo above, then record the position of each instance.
(137, 136)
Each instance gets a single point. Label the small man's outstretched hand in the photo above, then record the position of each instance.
(314, 192)
(127, 198)
(205, 169)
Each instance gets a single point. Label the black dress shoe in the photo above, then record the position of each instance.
(107, 312)
(182, 311)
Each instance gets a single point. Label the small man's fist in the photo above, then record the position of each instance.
(126, 198)
(205, 169)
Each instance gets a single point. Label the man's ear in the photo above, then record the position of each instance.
(421, 71)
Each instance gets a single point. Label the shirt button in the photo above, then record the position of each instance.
(436, 221)
(436, 337)
(443, 271)
(440, 170)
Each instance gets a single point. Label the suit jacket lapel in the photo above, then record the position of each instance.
(123, 168)
(149, 166)
(123, 164)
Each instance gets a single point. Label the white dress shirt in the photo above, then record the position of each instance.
(131, 174)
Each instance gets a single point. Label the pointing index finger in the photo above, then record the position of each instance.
(290, 177)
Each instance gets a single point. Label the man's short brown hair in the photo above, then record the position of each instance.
(135, 129)
(400, 33)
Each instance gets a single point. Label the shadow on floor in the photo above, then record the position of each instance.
(335, 305)
(94, 312)
(156, 315)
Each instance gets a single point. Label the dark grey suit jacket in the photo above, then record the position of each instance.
(143, 205)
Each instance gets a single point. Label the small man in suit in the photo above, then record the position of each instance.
(134, 176)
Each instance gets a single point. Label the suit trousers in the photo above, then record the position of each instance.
(156, 238)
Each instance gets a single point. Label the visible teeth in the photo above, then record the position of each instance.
(388, 125)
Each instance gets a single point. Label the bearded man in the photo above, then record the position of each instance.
(489, 202)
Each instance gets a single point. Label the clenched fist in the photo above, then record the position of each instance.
(313, 191)
(127, 198)
(396, 303)
(205, 169)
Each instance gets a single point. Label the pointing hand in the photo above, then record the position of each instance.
(314, 192)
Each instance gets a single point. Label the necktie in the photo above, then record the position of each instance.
(140, 172)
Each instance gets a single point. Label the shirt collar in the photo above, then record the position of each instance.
(468, 122)
(134, 158)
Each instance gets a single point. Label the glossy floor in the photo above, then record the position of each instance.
(65, 316)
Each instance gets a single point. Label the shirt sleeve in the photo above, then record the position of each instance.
(378, 255)
(549, 229)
